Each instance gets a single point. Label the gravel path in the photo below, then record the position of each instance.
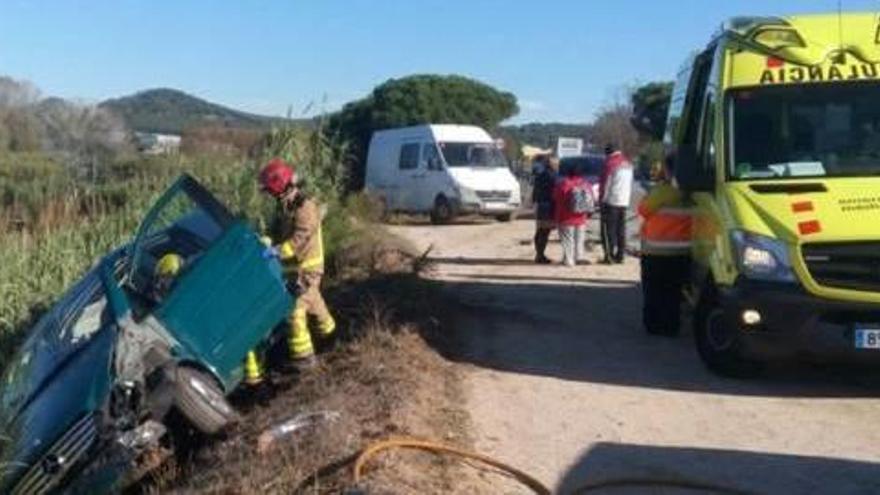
(563, 383)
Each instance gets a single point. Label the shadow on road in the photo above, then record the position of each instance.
(471, 261)
(593, 333)
(750, 472)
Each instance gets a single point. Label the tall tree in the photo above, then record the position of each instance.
(419, 99)
(650, 105)
(613, 125)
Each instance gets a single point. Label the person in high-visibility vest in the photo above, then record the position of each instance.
(666, 255)
(297, 237)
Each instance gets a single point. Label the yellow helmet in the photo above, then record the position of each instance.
(169, 265)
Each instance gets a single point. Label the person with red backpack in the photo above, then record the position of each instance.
(573, 203)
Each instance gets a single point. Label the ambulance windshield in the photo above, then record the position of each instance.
(804, 131)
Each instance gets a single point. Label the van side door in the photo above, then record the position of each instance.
(409, 176)
(432, 176)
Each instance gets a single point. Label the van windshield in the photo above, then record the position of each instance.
(805, 131)
(472, 155)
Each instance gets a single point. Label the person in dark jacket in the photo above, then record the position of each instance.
(544, 180)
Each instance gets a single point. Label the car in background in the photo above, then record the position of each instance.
(589, 166)
(85, 399)
(443, 170)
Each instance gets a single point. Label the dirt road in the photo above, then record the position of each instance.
(563, 382)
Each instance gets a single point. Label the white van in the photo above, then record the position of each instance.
(443, 170)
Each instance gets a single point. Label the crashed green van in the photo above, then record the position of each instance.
(83, 403)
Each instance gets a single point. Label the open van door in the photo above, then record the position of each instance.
(186, 218)
(228, 297)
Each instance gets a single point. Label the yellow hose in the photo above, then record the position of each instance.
(523, 477)
(439, 448)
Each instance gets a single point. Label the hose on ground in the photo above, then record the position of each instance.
(439, 448)
(523, 477)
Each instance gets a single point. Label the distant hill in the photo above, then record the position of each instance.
(169, 111)
(543, 135)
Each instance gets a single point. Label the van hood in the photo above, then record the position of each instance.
(77, 387)
(484, 178)
(838, 210)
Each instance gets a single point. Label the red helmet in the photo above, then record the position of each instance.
(276, 176)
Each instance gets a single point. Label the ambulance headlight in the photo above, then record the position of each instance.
(762, 258)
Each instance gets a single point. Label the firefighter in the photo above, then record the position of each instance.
(167, 269)
(297, 235)
(666, 255)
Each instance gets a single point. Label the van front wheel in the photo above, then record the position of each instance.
(718, 342)
(201, 401)
(442, 212)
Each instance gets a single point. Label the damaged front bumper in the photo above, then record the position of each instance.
(85, 461)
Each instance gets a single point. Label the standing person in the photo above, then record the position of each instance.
(666, 255)
(572, 201)
(615, 189)
(544, 179)
(297, 235)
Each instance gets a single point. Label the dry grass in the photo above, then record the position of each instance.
(384, 379)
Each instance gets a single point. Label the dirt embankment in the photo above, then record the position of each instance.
(381, 376)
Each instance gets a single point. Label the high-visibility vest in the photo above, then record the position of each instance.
(667, 223)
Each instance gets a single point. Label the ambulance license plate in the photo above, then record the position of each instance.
(867, 338)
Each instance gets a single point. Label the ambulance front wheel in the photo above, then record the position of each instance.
(719, 341)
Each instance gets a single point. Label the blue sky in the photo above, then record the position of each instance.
(562, 58)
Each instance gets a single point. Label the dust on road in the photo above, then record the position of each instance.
(562, 382)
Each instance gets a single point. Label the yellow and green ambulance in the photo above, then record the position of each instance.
(774, 133)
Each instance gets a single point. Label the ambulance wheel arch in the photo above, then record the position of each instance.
(718, 340)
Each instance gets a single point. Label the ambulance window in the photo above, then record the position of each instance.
(695, 98)
(409, 156)
(707, 148)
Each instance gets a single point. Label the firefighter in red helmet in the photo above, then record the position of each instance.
(296, 234)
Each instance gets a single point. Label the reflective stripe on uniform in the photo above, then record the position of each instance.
(327, 326)
(299, 342)
(668, 247)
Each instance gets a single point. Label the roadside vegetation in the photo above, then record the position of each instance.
(63, 209)
(54, 224)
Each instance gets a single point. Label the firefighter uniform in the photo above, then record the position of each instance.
(298, 229)
(666, 257)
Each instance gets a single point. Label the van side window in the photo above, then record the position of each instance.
(409, 156)
(430, 156)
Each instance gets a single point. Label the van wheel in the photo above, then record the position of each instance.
(383, 212)
(442, 212)
(200, 400)
(718, 343)
(505, 217)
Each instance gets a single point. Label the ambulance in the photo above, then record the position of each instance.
(774, 135)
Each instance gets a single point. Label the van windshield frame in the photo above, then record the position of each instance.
(471, 154)
(802, 131)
